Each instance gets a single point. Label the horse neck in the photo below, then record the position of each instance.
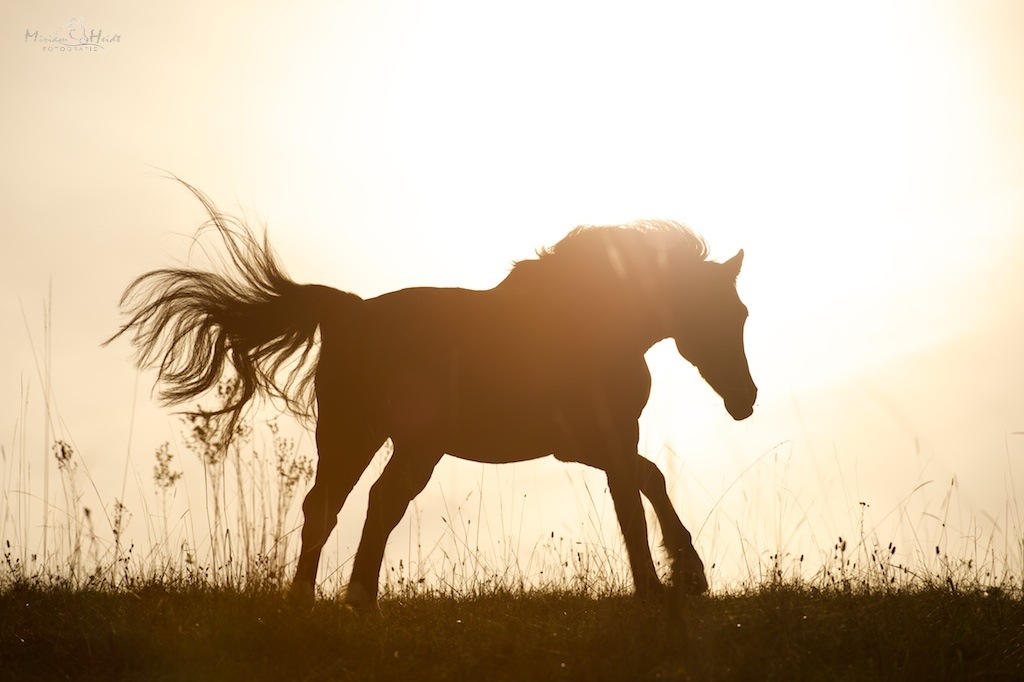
(621, 310)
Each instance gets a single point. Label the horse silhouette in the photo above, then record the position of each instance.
(548, 362)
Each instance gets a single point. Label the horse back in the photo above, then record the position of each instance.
(490, 375)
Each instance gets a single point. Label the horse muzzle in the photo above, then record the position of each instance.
(741, 405)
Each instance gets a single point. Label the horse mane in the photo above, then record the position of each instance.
(643, 242)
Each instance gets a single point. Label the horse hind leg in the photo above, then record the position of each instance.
(344, 452)
(687, 568)
(404, 477)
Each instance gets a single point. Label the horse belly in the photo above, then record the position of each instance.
(500, 437)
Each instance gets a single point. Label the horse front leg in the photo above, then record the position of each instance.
(344, 453)
(404, 477)
(687, 568)
(624, 486)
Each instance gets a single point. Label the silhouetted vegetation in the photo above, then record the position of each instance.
(95, 608)
(162, 630)
(101, 609)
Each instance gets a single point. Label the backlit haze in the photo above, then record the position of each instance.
(868, 158)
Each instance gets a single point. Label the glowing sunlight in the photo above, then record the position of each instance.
(866, 158)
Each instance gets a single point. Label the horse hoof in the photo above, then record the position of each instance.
(358, 598)
(301, 595)
(692, 585)
(650, 592)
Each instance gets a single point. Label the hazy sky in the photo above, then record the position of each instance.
(868, 157)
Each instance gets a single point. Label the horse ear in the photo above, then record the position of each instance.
(732, 265)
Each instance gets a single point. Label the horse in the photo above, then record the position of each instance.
(550, 362)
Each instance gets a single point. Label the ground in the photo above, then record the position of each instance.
(158, 632)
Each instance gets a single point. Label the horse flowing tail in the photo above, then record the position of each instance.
(190, 323)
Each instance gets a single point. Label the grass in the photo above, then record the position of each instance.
(92, 605)
(165, 631)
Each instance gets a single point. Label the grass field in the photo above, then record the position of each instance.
(179, 632)
(95, 605)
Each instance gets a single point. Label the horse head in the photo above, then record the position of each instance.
(710, 318)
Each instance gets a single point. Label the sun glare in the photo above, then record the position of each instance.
(457, 139)
(866, 158)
